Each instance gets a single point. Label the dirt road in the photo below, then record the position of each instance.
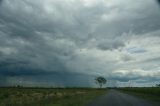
(116, 98)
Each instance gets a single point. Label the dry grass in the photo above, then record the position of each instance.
(47, 97)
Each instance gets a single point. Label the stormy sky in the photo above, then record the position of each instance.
(63, 43)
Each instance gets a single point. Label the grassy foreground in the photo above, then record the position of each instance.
(150, 93)
(47, 97)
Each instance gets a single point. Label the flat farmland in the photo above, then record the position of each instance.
(48, 96)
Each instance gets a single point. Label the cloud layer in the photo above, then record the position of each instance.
(62, 42)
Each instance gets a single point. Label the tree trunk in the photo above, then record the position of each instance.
(100, 85)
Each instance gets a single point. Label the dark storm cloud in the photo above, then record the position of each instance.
(54, 79)
(7, 63)
(1, 1)
(21, 72)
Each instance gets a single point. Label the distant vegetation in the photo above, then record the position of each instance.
(20, 96)
(146, 90)
(150, 93)
(157, 85)
(100, 81)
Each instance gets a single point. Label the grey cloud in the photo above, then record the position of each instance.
(136, 50)
(156, 59)
(50, 37)
(133, 77)
(110, 45)
(127, 58)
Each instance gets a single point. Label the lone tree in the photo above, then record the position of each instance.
(100, 80)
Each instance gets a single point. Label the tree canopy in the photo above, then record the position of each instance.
(100, 80)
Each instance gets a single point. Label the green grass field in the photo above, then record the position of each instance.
(150, 93)
(47, 96)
